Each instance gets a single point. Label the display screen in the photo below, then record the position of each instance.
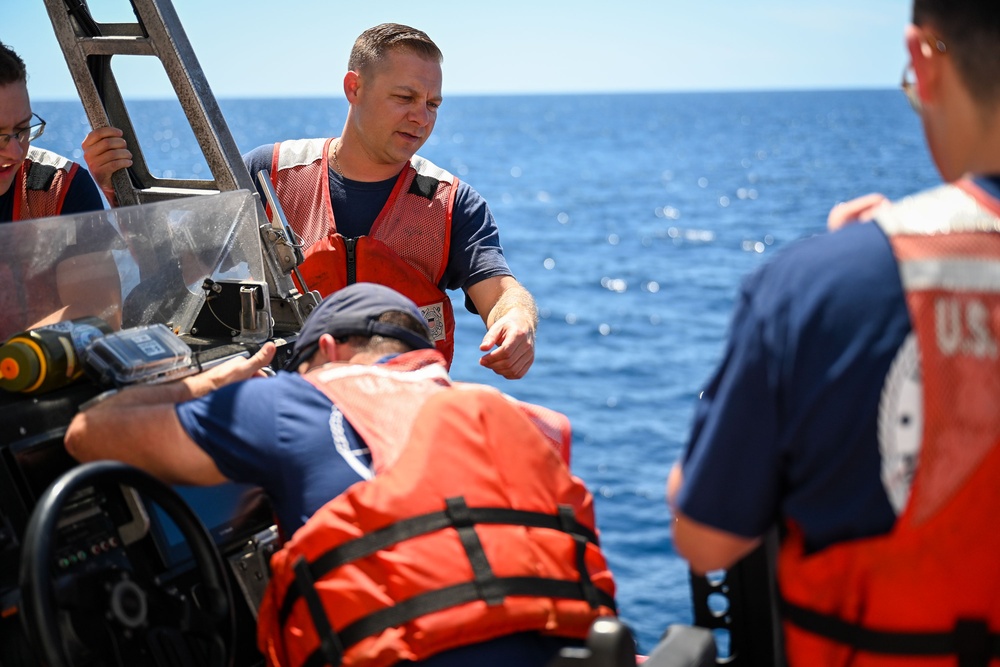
(229, 511)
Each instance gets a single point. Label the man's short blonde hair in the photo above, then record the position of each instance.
(375, 43)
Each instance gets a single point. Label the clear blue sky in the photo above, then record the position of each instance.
(282, 48)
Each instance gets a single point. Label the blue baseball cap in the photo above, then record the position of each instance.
(354, 311)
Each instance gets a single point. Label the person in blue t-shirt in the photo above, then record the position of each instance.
(817, 376)
(787, 426)
(284, 433)
(351, 183)
(855, 404)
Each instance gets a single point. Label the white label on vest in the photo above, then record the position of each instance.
(434, 314)
(963, 328)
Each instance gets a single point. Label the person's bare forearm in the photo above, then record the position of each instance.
(511, 318)
(168, 393)
(139, 425)
(191, 387)
(514, 298)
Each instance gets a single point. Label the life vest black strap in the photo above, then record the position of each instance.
(40, 177)
(587, 588)
(330, 649)
(971, 639)
(461, 519)
(445, 598)
(429, 523)
(424, 186)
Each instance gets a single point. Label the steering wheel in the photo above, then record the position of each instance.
(132, 613)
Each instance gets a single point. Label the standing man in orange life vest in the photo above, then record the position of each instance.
(368, 209)
(856, 405)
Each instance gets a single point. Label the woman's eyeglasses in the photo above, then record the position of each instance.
(24, 135)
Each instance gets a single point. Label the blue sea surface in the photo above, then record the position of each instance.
(632, 219)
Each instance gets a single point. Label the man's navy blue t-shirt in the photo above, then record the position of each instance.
(787, 427)
(282, 434)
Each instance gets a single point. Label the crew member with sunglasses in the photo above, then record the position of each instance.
(856, 404)
(34, 183)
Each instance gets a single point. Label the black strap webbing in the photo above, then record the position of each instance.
(40, 177)
(587, 588)
(424, 186)
(971, 639)
(331, 650)
(445, 598)
(421, 525)
(484, 578)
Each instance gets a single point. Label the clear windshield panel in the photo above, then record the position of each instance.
(130, 266)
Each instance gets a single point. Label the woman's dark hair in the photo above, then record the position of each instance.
(12, 68)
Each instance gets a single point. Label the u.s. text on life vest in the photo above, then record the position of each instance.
(963, 323)
(962, 326)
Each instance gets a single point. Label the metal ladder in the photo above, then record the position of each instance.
(89, 46)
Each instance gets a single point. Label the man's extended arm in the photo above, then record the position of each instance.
(511, 317)
(139, 425)
(705, 548)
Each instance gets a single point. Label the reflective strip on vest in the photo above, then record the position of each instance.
(360, 392)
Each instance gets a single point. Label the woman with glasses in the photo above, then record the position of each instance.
(34, 183)
(76, 274)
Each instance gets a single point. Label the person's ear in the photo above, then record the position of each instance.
(352, 84)
(334, 351)
(326, 351)
(926, 61)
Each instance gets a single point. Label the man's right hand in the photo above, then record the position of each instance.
(234, 370)
(105, 152)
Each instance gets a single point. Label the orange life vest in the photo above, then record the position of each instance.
(42, 183)
(406, 249)
(928, 592)
(475, 529)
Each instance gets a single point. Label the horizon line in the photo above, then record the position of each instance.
(568, 93)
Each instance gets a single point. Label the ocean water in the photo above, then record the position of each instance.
(631, 218)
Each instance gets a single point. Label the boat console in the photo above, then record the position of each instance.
(194, 266)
